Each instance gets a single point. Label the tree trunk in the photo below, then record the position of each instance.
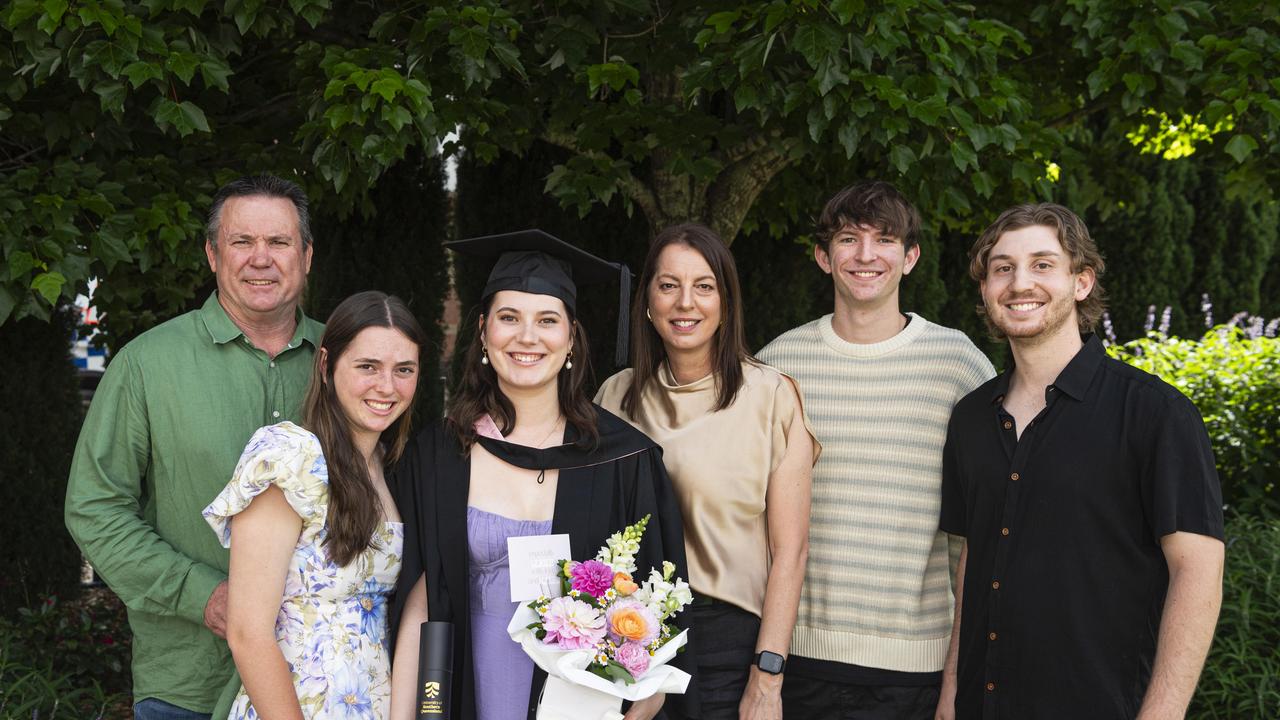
(668, 197)
(722, 202)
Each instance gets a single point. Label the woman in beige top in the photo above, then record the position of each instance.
(739, 452)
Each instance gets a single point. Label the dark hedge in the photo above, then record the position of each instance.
(394, 245)
(40, 395)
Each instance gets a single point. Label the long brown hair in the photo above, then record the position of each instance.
(478, 393)
(729, 345)
(354, 508)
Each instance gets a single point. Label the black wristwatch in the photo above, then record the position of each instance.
(770, 662)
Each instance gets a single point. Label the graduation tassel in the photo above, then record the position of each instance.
(622, 350)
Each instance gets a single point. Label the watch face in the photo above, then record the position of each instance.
(770, 662)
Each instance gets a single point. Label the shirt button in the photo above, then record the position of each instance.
(991, 636)
(991, 686)
(1007, 425)
(275, 413)
(1004, 531)
(273, 363)
(995, 584)
(1015, 477)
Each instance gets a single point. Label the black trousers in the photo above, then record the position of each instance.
(812, 699)
(724, 651)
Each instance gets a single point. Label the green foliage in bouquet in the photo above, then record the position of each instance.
(1235, 382)
(1242, 676)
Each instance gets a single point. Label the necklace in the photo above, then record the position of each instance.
(554, 426)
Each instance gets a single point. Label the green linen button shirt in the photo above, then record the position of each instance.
(167, 425)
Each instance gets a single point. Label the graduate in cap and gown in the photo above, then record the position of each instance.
(522, 451)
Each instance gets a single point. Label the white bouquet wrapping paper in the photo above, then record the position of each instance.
(574, 693)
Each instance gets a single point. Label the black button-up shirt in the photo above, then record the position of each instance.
(1065, 579)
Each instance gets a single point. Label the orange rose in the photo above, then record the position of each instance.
(629, 623)
(623, 583)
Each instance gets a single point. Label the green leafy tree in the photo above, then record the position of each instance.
(1166, 77)
(119, 118)
(689, 111)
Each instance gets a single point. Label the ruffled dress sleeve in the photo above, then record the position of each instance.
(283, 455)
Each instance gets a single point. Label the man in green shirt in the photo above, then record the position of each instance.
(168, 423)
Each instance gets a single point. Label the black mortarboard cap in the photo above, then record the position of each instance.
(536, 262)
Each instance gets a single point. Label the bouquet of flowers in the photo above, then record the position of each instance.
(606, 638)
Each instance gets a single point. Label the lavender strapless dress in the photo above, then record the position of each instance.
(503, 672)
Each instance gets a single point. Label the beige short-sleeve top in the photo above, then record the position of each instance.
(720, 463)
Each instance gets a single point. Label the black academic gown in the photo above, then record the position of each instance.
(599, 492)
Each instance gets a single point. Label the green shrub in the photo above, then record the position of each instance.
(1242, 676)
(1235, 382)
(66, 660)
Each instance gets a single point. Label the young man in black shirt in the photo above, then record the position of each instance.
(1087, 495)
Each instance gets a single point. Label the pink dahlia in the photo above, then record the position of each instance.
(572, 624)
(592, 577)
(634, 657)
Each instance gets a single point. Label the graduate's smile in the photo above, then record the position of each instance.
(523, 358)
(527, 338)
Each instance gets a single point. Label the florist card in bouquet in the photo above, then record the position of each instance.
(535, 565)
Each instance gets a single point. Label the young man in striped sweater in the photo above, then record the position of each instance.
(875, 611)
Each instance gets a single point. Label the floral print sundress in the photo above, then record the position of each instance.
(332, 626)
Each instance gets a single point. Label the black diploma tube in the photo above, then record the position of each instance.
(435, 671)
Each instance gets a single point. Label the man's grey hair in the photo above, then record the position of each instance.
(265, 185)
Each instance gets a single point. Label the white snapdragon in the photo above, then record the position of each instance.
(619, 551)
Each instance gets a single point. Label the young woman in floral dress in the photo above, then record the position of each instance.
(316, 540)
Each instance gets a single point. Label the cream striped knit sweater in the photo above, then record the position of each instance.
(877, 588)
